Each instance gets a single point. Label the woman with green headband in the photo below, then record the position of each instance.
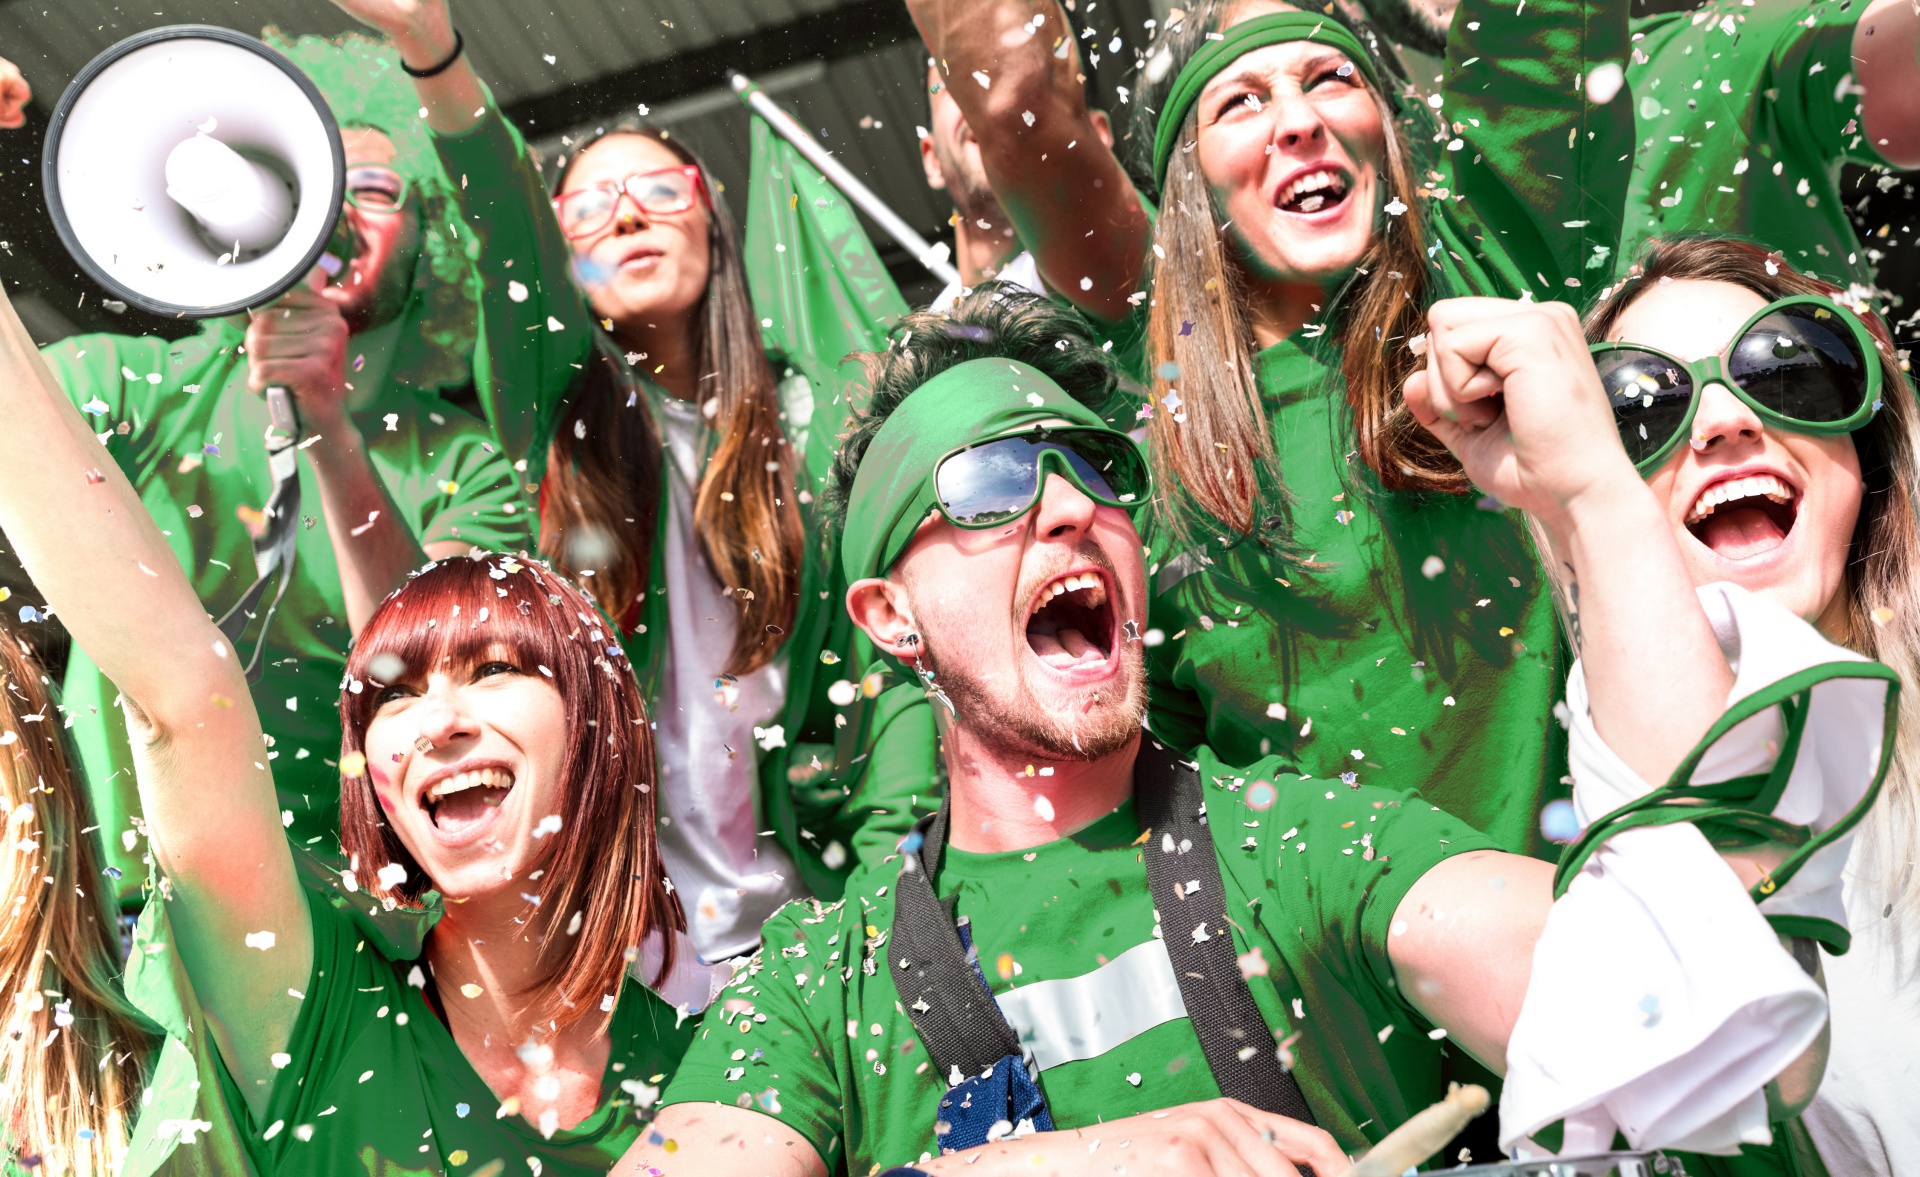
(1326, 587)
(622, 367)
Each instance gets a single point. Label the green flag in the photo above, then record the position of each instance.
(817, 281)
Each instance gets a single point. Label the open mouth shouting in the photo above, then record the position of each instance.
(1072, 627)
(1321, 188)
(462, 800)
(1745, 516)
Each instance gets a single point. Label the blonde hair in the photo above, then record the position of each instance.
(73, 1052)
(1883, 560)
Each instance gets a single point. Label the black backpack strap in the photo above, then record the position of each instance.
(1179, 850)
(959, 1022)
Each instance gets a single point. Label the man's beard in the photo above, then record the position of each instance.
(1014, 721)
(972, 195)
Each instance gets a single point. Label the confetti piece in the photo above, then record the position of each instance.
(469, 990)
(1134, 1078)
(260, 940)
(1559, 822)
(1881, 616)
(393, 875)
(353, 765)
(1605, 82)
(1252, 964)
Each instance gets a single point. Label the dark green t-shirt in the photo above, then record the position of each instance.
(374, 1082)
(188, 433)
(1745, 113)
(1416, 647)
(813, 1033)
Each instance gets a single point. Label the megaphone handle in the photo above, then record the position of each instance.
(281, 414)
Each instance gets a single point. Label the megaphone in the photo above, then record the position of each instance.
(194, 172)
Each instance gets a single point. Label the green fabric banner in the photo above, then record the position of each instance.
(816, 277)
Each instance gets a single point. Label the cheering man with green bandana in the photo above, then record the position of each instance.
(1223, 971)
(388, 468)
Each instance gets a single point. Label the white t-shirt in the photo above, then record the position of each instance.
(1022, 271)
(1866, 1118)
(730, 877)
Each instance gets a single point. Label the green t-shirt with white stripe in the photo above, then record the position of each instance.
(813, 1032)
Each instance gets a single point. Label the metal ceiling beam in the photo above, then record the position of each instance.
(841, 32)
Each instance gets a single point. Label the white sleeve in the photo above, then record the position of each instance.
(1661, 1001)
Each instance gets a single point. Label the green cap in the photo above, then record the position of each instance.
(971, 402)
(1272, 29)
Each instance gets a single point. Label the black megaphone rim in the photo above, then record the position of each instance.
(56, 127)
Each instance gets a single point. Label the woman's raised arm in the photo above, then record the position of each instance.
(226, 874)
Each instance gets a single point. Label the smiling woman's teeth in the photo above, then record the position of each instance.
(1736, 489)
(1311, 193)
(479, 778)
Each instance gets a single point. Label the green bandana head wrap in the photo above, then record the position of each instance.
(1214, 56)
(971, 402)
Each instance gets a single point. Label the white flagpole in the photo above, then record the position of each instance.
(789, 128)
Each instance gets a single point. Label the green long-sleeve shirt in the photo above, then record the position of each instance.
(189, 435)
(536, 333)
(1744, 115)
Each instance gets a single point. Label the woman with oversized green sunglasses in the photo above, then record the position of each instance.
(1797, 483)
(1802, 363)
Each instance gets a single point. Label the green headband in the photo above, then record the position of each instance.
(893, 493)
(1215, 56)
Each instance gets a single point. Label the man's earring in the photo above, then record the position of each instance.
(910, 641)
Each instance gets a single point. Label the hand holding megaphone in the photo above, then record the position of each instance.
(299, 342)
(14, 95)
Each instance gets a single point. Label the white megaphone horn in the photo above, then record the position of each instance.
(194, 172)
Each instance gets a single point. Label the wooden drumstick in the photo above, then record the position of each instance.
(1423, 1134)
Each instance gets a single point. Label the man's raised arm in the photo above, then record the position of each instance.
(1013, 67)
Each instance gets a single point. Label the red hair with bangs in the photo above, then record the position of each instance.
(605, 866)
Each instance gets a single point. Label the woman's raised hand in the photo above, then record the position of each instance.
(421, 29)
(1511, 389)
(14, 95)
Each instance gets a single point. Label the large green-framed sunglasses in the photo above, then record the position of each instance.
(987, 483)
(1804, 364)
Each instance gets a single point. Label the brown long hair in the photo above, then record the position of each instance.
(605, 869)
(604, 467)
(59, 953)
(1883, 559)
(1222, 455)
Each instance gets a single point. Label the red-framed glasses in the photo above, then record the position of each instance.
(585, 211)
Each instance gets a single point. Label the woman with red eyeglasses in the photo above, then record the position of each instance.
(676, 466)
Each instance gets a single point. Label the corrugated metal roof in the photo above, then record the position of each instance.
(509, 40)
